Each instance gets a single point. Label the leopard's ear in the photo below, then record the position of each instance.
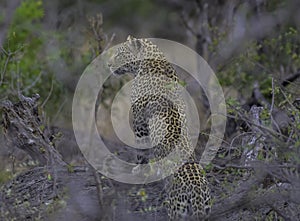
(130, 38)
(134, 42)
(135, 45)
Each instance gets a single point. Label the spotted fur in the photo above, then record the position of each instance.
(159, 120)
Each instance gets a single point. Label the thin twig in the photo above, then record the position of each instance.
(8, 56)
(59, 110)
(109, 42)
(272, 107)
(242, 134)
(49, 95)
(33, 83)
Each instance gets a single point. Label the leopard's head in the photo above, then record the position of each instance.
(129, 57)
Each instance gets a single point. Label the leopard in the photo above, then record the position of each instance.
(159, 120)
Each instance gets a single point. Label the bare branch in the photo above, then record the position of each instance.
(24, 129)
(291, 78)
